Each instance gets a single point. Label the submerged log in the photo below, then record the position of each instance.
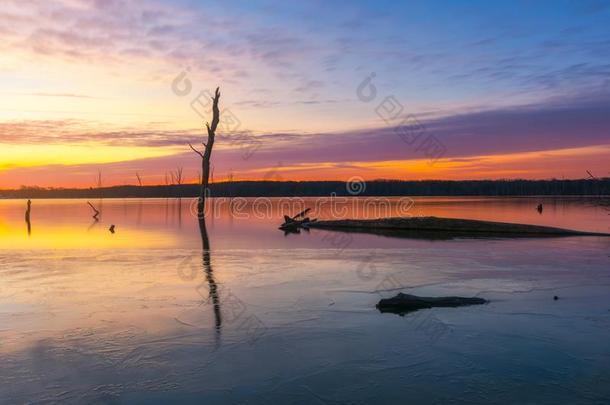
(449, 225)
(405, 303)
(296, 224)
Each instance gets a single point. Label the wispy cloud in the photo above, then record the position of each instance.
(66, 95)
(512, 129)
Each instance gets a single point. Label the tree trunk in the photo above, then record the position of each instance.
(207, 154)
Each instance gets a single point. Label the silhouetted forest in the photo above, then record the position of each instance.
(325, 188)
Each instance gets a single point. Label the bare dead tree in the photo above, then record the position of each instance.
(99, 184)
(177, 176)
(206, 155)
(139, 179)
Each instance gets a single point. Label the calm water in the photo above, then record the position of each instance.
(147, 315)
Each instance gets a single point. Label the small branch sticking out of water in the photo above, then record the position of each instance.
(27, 216)
(97, 213)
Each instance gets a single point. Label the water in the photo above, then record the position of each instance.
(146, 315)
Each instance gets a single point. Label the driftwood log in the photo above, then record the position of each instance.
(405, 303)
(294, 223)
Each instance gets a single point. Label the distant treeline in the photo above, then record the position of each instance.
(326, 188)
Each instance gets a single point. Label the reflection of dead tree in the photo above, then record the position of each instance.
(230, 187)
(166, 210)
(28, 210)
(179, 212)
(209, 275)
(139, 179)
(603, 201)
(139, 215)
(207, 153)
(96, 212)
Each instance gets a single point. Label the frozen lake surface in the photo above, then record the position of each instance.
(147, 315)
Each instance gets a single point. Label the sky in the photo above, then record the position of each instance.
(316, 90)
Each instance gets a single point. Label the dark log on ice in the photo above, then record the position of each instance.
(404, 303)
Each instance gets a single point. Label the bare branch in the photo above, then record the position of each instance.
(196, 151)
(178, 175)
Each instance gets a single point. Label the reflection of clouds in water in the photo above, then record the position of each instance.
(156, 223)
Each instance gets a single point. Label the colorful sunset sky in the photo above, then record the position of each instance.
(507, 89)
